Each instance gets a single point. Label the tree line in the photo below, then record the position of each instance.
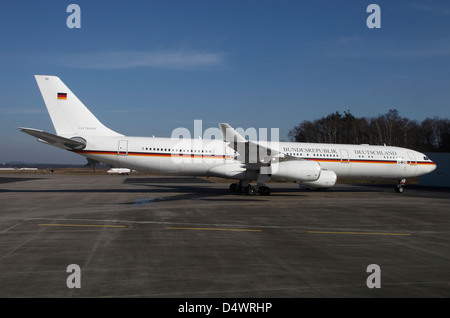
(390, 129)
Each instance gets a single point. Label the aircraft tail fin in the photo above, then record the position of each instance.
(68, 114)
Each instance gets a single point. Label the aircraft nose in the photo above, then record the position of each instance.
(433, 167)
(430, 165)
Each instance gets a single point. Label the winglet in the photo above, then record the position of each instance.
(229, 134)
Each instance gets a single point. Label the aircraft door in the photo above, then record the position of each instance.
(122, 148)
(344, 156)
(412, 164)
(412, 158)
(344, 167)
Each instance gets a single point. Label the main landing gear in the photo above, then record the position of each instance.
(399, 186)
(249, 189)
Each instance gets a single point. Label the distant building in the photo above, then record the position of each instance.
(441, 176)
(18, 169)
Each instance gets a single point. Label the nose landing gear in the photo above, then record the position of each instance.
(399, 186)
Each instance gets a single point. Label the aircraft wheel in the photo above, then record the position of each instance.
(251, 190)
(233, 187)
(399, 189)
(264, 190)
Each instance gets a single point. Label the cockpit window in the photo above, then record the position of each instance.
(426, 158)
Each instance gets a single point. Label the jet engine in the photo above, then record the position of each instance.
(326, 180)
(295, 170)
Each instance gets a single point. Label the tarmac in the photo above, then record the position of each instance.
(141, 236)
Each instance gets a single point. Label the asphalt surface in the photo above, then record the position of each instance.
(137, 236)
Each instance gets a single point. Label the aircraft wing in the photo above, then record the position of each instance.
(76, 143)
(254, 154)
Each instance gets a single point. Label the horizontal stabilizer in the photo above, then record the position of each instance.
(75, 143)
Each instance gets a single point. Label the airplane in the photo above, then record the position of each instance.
(120, 171)
(231, 156)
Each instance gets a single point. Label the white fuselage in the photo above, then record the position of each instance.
(197, 157)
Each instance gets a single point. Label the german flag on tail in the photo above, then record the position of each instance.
(62, 95)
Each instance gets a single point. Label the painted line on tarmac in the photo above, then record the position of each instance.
(359, 233)
(210, 229)
(82, 225)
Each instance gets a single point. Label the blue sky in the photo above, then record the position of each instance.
(147, 67)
